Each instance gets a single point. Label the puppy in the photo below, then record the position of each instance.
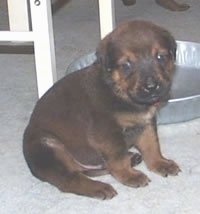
(87, 122)
(167, 4)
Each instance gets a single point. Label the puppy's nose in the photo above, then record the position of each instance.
(151, 85)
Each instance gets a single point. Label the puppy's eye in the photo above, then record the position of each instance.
(127, 67)
(161, 57)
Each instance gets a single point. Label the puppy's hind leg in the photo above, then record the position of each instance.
(66, 174)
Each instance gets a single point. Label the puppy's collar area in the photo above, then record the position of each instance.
(157, 103)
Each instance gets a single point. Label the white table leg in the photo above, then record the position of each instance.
(18, 15)
(106, 16)
(43, 44)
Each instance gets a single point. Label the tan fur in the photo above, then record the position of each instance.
(129, 119)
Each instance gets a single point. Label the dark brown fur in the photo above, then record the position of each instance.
(86, 123)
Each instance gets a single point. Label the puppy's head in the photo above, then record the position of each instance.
(137, 61)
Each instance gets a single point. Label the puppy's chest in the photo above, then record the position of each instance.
(131, 122)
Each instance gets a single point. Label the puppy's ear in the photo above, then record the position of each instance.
(105, 54)
(173, 49)
(168, 41)
(171, 44)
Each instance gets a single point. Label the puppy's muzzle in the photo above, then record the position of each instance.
(152, 86)
(152, 91)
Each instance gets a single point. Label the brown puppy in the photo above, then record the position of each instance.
(167, 4)
(86, 123)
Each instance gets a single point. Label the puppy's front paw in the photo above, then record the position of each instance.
(102, 191)
(136, 179)
(166, 167)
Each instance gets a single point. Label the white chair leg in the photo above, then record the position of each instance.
(106, 16)
(18, 15)
(43, 44)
